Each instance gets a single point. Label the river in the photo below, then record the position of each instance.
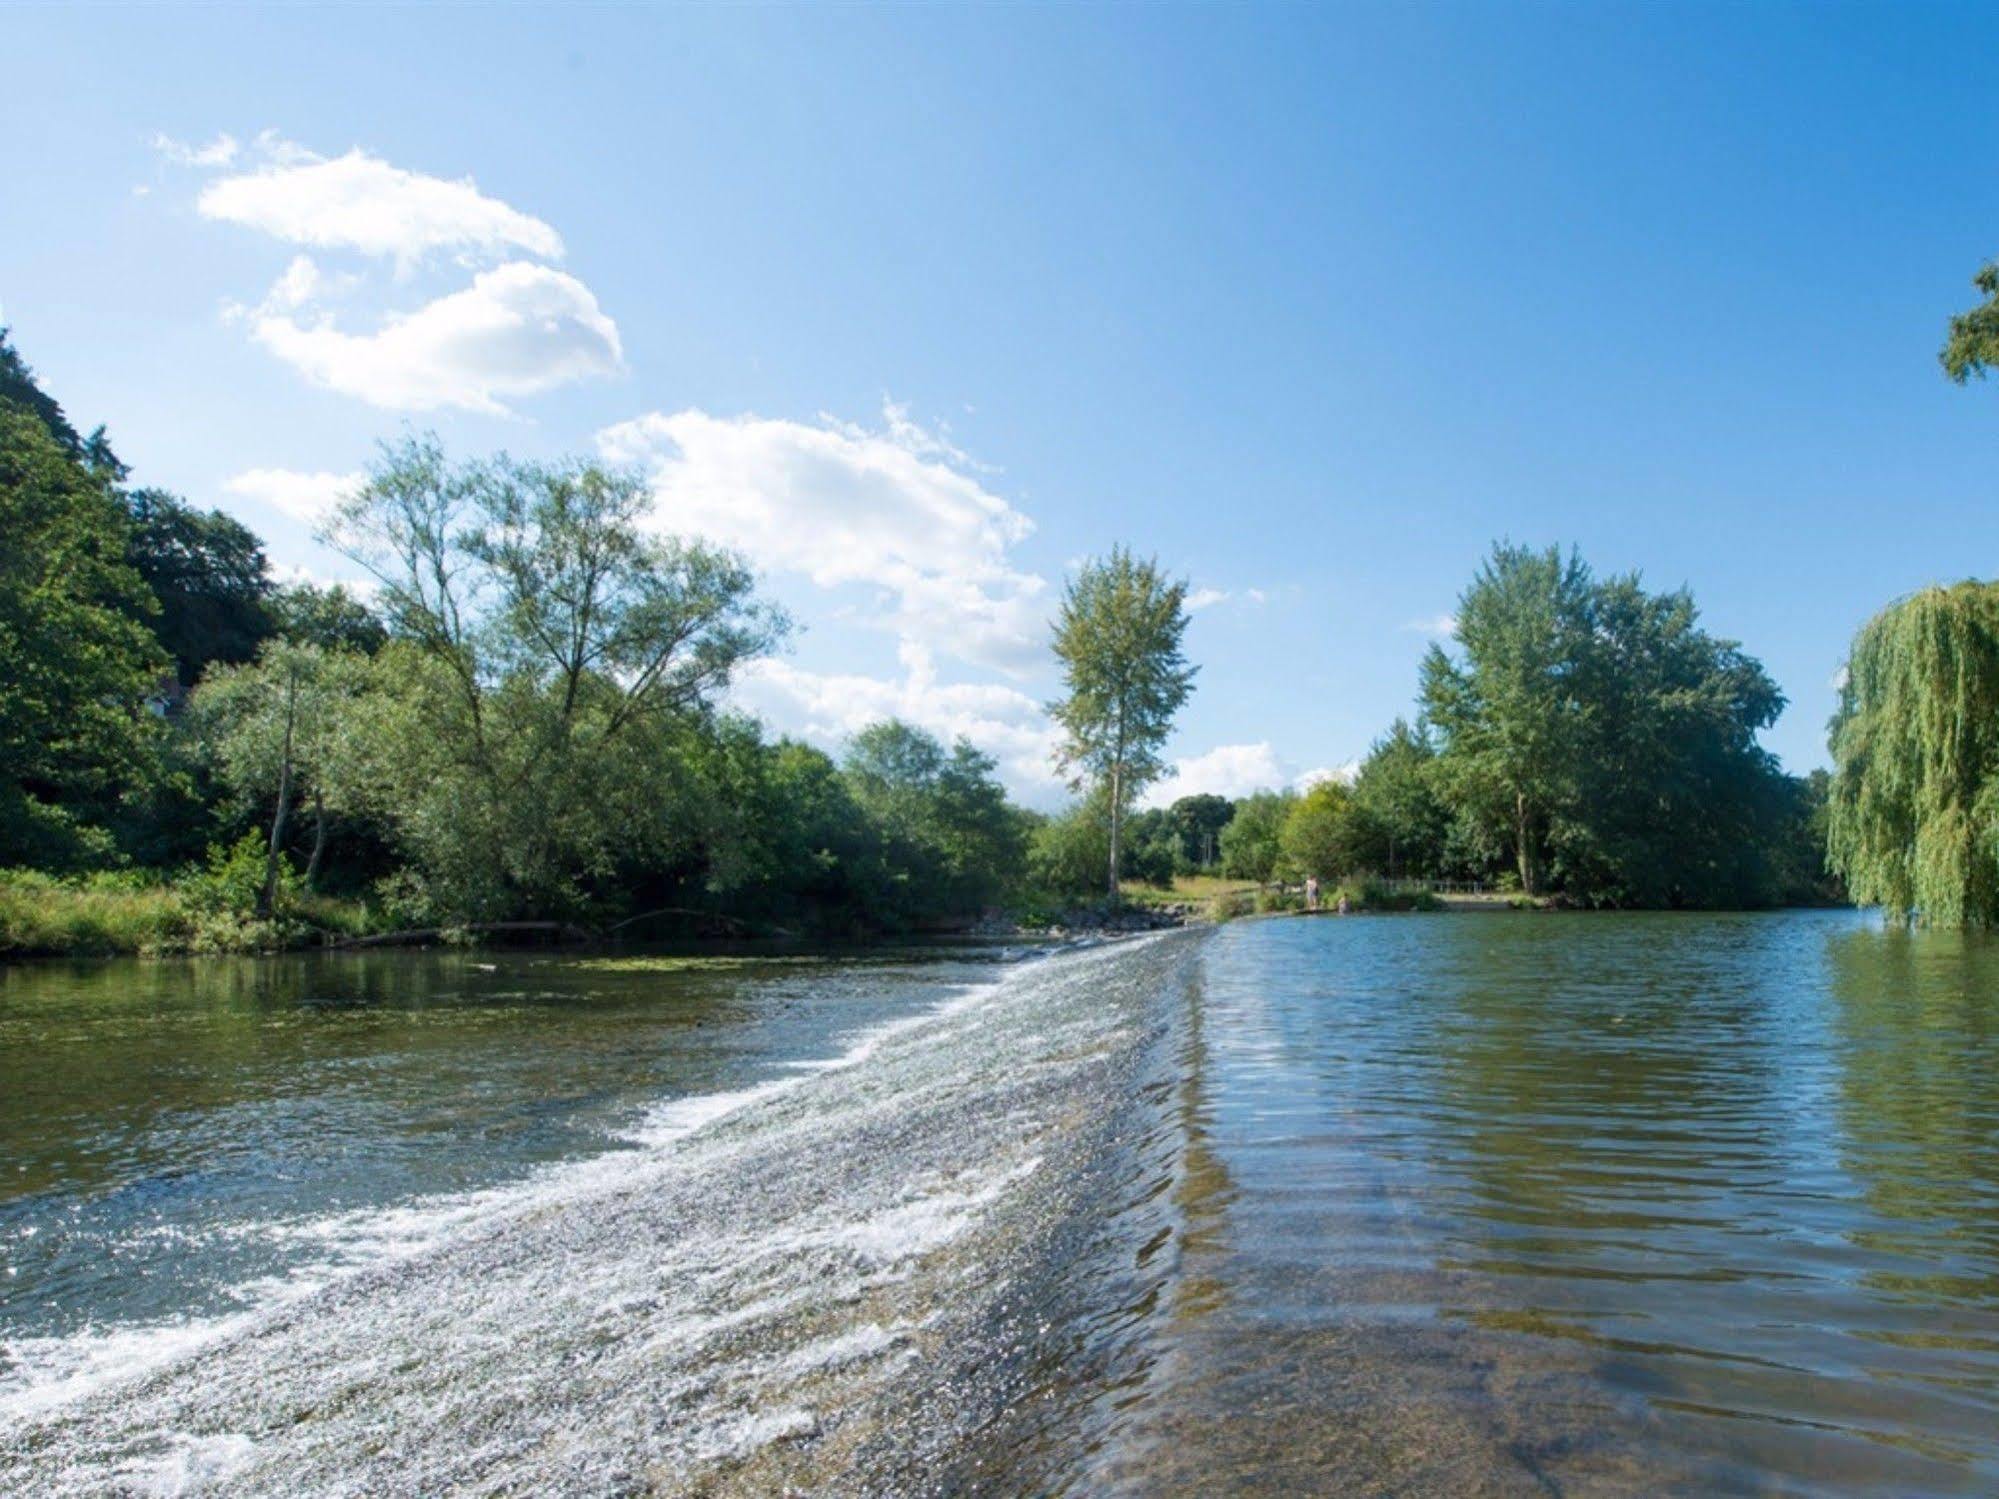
(1461, 1204)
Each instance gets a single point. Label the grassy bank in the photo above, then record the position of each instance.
(1223, 899)
(152, 915)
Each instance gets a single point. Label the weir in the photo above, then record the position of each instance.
(924, 1259)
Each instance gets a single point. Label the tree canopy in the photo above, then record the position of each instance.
(1913, 820)
(1972, 345)
(1606, 741)
(75, 654)
(1117, 638)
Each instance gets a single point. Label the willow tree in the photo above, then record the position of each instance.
(1914, 818)
(1972, 346)
(1118, 639)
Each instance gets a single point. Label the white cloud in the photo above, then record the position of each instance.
(519, 328)
(894, 509)
(1229, 770)
(515, 330)
(287, 574)
(217, 153)
(1206, 598)
(360, 202)
(830, 708)
(1439, 626)
(306, 497)
(1236, 770)
(1344, 773)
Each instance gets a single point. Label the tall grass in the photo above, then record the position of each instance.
(40, 914)
(211, 910)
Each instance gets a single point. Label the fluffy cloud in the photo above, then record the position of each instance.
(360, 202)
(1234, 770)
(519, 328)
(515, 330)
(895, 509)
(830, 708)
(1206, 598)
(303, 496)
(1227, 770)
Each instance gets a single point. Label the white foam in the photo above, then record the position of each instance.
(869, 1340)
(39, 1375)
(192, 1465)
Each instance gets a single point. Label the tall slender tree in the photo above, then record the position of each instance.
(1118, 638)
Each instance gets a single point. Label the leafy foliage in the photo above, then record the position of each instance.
(1602, 738)
(1913, 820)
(1117, 637)
(76, 659)
(1251, 841)
(208, 572)
(1972, 346)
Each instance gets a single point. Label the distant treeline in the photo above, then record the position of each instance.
(524, 719)
(1584, 740)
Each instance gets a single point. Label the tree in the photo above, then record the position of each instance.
(1251, 839)
(1913, 820)
(1322, 833)
(1607, 741)
(76, 660)
(1403, 820)
(1508, 714)
(1118, 637)
(1674, 801)
(1972, 346)
(207, 570)
(332, 617)
(550, 654)
(283, 730)
(1198, 821)
(946, 817)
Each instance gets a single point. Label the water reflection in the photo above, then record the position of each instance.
(1614, 1203)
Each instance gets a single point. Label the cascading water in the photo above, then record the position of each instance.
(917, 1266)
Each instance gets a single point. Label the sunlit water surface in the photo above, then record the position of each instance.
(1425, 1205)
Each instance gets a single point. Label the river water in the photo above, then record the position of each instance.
(1425, 1205)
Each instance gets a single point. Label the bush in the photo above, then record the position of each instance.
(1369, 893)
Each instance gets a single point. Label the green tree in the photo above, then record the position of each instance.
(1403, 820)
(1250, 842)
(1674, 802)
(283, 731)
(952, 833)
(1198, 821)
(208, 572)
(550, 655)
(1913, 820)
(1608, 742)
(1117, 637)
(1322, 833)
(76, 660)
(1508, 713)
(332, 617)
(1972, 346)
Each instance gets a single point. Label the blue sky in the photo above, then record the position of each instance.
(920, 304)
